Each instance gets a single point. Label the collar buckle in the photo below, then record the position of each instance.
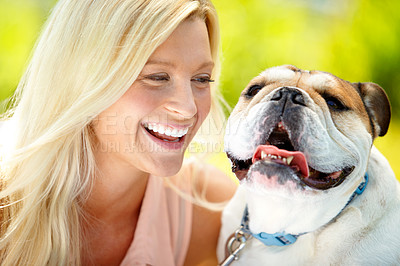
(277, 239)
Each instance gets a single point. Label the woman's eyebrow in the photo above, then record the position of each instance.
(168, 63)
(159, 62)
(207, 64)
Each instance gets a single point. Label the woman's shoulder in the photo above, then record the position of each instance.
(209, 179)
(217, 187)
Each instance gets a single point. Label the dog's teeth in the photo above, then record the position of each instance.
(274, 157)
(289, 159)
(279, 157)
(263, 155)
(284, 160)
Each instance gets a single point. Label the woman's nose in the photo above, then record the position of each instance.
(181, 101)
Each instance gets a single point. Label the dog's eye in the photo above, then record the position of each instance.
(335, 104)
(253, 90)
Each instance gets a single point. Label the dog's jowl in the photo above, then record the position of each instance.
(313, 188)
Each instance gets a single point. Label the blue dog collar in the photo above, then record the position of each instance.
(360, 189)
(283, 239)
(278, 239)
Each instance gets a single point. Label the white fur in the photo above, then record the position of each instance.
(322, 137)
(242, 142)
(367, 232)
(320, 81)
(278, 73)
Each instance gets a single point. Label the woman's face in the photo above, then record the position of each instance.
(151, 125)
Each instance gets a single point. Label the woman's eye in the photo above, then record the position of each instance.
(203, 79)
(158, 77)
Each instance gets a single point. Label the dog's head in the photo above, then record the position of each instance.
(299, 141)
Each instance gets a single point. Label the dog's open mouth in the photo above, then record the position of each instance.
(280, 150)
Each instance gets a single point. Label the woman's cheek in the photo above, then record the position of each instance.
(204, 103)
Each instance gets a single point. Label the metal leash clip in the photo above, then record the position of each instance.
(235, 244)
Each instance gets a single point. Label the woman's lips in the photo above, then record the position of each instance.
(167, 130)
(170, 137)
(163, 136)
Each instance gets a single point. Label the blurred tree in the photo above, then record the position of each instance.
(20, 23)
(356, 40)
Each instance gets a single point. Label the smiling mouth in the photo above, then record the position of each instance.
(280, 150)
(165, 133)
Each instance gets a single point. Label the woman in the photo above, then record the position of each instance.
(114, 93)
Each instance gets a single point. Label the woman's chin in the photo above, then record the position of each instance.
(167, 168)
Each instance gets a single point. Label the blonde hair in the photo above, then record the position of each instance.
(88, 55)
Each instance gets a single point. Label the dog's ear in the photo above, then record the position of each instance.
(377, 105)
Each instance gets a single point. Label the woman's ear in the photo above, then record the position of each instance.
(377, 105)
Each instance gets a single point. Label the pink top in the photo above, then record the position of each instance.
(164, 227)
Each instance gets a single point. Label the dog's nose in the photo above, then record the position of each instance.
(291, 94)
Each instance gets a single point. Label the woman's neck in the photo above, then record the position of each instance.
(117, 191)
(112, 212)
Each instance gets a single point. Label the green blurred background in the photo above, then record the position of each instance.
(357, 40)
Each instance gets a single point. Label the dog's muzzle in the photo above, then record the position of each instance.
(279, 153)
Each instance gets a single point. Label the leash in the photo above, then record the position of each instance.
(243, 234)
(235, 244)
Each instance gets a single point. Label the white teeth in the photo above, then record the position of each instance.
(289, 159)
(263, 155)
(161, 130)
(166, 130)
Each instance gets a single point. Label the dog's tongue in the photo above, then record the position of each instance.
(296, 158)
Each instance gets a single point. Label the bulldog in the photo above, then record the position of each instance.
(313, 188)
